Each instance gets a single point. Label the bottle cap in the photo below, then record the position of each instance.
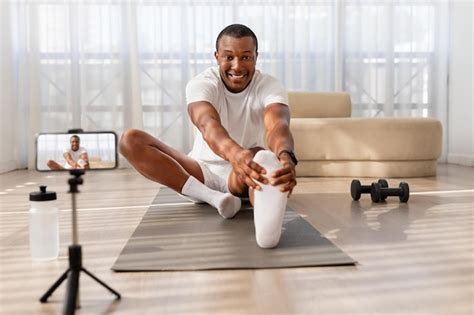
(42, 195)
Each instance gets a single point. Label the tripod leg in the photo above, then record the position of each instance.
(102, 283)
(72, 292)
(50, 291)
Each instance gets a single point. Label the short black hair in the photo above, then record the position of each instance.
(75, 136)
(237, 31)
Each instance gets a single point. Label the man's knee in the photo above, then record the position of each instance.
(129, 140)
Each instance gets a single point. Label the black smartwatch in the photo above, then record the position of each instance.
(291, 154)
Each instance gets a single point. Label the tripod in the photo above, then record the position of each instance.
(75, 258)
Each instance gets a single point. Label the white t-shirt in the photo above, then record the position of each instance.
(76, 155)
(241, 113)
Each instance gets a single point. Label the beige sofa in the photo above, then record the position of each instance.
(328, 142)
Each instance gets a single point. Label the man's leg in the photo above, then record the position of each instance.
(53, 165)
(269, 203)
(157, 161)
(160, 163)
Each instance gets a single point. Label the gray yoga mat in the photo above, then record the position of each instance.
(176, 234)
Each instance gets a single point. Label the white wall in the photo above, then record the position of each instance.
(461, 84)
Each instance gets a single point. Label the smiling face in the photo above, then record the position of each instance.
(236, 58)
(75, 143)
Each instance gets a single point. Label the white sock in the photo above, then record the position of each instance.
(269, 204)
(226, 203)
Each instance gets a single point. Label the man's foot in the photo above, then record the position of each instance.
(269, 204)
(228, 206)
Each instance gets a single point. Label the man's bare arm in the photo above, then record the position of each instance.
(277, 124)
(207, 120)
(69, 160)
(85, 158)
(279, 138)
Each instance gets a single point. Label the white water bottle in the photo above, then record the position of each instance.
(44, 225)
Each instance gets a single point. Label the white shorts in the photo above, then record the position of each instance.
(216, 175)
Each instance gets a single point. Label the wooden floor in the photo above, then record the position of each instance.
(414, 258)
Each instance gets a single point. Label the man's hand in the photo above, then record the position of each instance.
(248, 170)
(285, 176)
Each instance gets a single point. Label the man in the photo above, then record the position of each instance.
(76, 157)
(233, 106)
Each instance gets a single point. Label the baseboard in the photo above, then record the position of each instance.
(461, 159)
(7, 166)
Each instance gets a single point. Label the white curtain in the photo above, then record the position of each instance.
(111, 65)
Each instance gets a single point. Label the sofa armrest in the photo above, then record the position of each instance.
(319, 104)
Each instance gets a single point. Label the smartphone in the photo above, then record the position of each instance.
(82, 150)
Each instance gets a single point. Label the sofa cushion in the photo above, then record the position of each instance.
(319, 105)
(375, 169)
(366, 139)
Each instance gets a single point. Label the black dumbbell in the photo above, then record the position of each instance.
(379, 193)
(358, 189)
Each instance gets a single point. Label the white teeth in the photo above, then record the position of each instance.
(237, 76)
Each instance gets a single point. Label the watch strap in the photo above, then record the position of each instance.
(291, 154)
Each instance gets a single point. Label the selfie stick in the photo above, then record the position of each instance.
(75, 258)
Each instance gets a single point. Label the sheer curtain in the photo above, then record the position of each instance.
(111, 65)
